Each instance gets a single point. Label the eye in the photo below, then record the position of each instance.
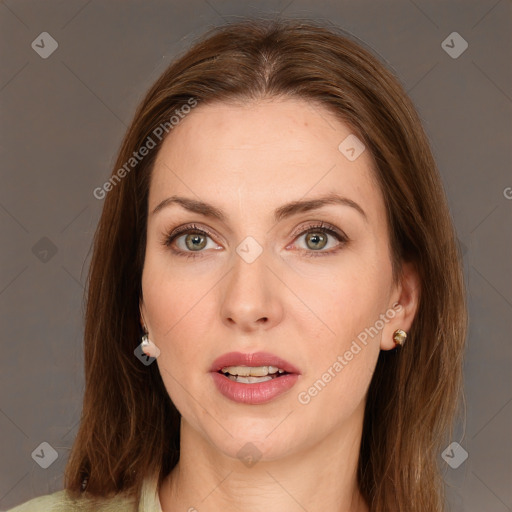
(190, 239)
(317, 238)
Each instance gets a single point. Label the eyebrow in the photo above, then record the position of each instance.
(283, 212)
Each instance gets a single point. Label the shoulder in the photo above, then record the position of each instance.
(62, 501)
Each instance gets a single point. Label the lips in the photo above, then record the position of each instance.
(255, 359)
(253, 393)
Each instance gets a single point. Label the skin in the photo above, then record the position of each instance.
(248, 159)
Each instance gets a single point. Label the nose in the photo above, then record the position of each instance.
(251, 296)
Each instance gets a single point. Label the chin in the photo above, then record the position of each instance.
(260, 441)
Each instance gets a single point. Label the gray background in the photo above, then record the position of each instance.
(62, 122)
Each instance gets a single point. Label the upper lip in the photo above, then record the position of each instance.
(254, 359)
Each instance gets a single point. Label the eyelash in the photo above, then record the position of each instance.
(194, 229)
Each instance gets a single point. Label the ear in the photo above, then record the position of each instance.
(404, 302)
(141, 317)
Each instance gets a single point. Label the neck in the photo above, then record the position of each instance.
(317, 478)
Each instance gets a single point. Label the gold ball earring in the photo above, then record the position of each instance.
(399, 337)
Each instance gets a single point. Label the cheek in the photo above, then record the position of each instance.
(343, 358)
(341, 365)
(177, 327)
(349, 300)
(172, 298)
(332, 396)
(167, 309)
(179, 308)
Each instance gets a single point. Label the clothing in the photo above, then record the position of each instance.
(60, 501)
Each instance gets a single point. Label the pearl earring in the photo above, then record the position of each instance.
(148, 347)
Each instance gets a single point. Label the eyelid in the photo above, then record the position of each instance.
(192, 226)
(302, 229)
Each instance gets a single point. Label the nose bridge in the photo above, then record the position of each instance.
(250, 270)
(250, 295)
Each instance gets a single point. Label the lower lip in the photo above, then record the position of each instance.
(257, 393)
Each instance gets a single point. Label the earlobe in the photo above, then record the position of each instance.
(406, 303)
(399, 337)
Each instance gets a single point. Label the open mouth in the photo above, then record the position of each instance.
(253, 378)
(252, 374)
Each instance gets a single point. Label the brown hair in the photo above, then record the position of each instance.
(129, 426)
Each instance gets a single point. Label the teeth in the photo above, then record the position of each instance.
(249, 380)
(251, 371)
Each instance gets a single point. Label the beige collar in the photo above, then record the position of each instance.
(149, 500)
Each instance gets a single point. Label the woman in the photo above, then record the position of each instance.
(276, 314)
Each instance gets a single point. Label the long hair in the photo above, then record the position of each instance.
(129, 425)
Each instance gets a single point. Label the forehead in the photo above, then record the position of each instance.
(264, 152)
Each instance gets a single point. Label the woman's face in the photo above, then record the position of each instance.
(250, 279)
